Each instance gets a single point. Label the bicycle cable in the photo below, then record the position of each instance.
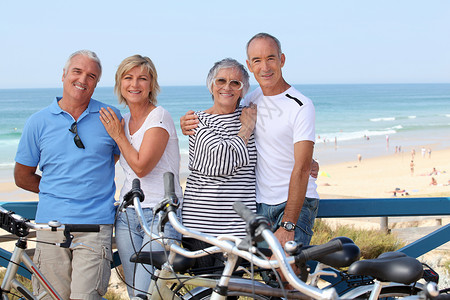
(7, 259)
(277, 276)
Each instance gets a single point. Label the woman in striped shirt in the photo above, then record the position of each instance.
(222, 158)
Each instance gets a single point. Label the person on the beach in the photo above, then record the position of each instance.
(411, 166)
(434, 172)
(284, 134)
(148, 145)
(433, 181)
(222, 159)
(77, 157)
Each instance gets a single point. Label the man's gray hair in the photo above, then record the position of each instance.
(228, 63)
(88, 53)
(263, 35)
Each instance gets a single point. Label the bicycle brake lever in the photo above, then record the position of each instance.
(160, 206)
(68, 242)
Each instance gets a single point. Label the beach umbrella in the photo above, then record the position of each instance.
(324, 174)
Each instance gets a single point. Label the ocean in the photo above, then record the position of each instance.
(366, 119)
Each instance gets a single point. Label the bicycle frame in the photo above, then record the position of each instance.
(222, 245)
(10, 281)
(234, 247)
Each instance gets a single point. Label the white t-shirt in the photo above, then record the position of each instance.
(153, 184)
(282, 121)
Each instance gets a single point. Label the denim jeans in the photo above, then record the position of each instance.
(305, 223)
(130, 237)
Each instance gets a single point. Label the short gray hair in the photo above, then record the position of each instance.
(88, 53)
(263, 35)
(228, 63)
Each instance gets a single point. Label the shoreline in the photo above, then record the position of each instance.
(381, 169)
(376, 177)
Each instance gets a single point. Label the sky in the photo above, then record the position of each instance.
(325, 42)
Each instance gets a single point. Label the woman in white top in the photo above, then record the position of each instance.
(148, 148)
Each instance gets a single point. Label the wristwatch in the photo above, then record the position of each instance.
(288, 226)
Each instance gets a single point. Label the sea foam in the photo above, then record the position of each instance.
(347, 136)
(382, 119)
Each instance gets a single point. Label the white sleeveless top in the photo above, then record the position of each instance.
(153, 184)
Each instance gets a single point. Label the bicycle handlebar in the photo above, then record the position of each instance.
(82, 227)
(17, 225)
(317, 251)
(135, 192)
(244, 212)
(169, 187)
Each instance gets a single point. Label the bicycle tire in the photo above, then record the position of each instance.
(387, 292)
(205, 294)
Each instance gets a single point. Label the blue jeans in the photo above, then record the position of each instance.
(130, 237)
(305, 223)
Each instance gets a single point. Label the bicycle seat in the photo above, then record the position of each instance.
(158, 258)
(342, 258)
(389, 267)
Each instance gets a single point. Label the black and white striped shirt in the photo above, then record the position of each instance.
(222, 171)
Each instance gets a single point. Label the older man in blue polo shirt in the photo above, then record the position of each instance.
(76, 157)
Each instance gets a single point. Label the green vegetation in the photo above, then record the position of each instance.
(14, 294)
(447, 266)
(111, 295)
(371, 242)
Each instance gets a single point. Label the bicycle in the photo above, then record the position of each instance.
(166, 283)
(21, 227)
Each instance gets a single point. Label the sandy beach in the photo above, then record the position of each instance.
(376, 177)
(379, 177)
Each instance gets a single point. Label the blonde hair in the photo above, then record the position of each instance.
(146, 64)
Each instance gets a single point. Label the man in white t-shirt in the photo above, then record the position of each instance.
(285, 136)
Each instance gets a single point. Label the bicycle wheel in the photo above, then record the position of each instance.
(202, 293)
(387, 292)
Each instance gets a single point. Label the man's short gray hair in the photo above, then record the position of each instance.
(228, 63)
(263, 35)
(88, 53)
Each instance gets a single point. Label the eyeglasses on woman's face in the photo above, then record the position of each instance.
(76, 138)
(235, 85)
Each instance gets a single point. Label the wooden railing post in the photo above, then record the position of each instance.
(384, 224)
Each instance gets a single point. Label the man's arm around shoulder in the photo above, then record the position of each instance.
(26, 178)
(188, 123)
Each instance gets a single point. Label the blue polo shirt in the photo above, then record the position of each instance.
(77, 185)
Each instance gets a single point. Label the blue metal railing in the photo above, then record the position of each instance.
(331, 208)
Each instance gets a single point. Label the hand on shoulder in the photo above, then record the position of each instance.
(188, 123)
